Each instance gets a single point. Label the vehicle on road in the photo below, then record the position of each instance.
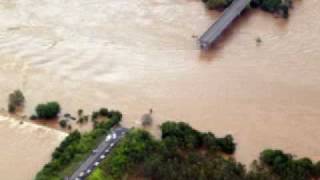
(114, 135)
(108, 138)
(98, 154)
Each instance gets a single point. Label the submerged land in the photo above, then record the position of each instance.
(260, 83)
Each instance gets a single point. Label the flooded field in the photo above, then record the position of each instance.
(25, 148)
(142, 54)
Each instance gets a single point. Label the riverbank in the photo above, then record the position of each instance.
(25, 148)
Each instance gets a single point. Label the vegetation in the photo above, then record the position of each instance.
(48, 111)
(104, 113)
(63, 123)
(286, 167)
(74, 149)
(181, 135)
(274, 6)
(217, 4)
(16, 100)
(184, 153)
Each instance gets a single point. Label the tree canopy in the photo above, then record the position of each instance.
(48, 111)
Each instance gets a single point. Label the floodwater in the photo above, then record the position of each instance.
(25, 148)
(142, 54)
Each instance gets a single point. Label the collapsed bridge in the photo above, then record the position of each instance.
(228, 16)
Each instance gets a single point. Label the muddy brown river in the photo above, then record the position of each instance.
(136, 55)
(25, 148)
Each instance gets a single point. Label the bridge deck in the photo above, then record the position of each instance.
(213, 33)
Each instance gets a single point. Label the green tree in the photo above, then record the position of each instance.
(49, 110)
(227, 144)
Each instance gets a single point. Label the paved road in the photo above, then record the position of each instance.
(215, 31)
(98, 154)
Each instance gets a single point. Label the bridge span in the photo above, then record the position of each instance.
(228, 16)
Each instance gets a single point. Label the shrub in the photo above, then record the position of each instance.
(216, 4)
(80, 112)
(48, 111)
(33, 117)
(94, 116)
(63, 123)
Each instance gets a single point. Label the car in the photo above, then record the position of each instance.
(112, 144)
(81, 174)
(114, 135)
(107, 150)
(77, 179)
(108, 138)
(96, 164)
(88, 171)
(102, 156)
(94, 151)
(123, 132)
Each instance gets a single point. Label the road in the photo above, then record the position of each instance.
(94, 159)
(216, 30)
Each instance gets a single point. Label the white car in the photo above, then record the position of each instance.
(112, 144)
(107, 150)
(88, 171)
(81, 174)
(114, 135)
(96, 164)
(108, 138)
(102, 156)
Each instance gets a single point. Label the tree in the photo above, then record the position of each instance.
(16, 99)
(104, 112)
(63, 123)
(316, 170)
(227, 144)
(48, 111)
